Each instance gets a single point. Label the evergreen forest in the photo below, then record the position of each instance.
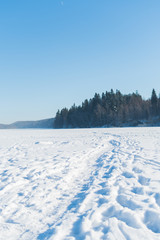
(110, 109)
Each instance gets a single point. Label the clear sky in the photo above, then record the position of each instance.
(55, 53)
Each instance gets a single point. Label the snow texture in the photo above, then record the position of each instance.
(80, 184)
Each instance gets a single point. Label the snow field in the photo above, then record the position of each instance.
(80, 184)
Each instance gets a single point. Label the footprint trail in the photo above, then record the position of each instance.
(80, 184)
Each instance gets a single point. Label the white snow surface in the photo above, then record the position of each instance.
(80, 184)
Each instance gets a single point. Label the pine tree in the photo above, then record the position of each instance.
(154, 102)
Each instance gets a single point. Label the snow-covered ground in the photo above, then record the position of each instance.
(80, 184)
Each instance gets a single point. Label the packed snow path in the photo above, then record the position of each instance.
(80, 184)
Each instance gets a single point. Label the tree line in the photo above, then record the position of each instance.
(109, 109)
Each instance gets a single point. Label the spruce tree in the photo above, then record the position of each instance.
(154, 101)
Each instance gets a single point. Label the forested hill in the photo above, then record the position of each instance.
(45, 123)
(110, 109)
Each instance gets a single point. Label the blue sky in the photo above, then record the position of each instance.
(55, 53)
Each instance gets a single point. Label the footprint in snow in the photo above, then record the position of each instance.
(144, 181)
(157, 198)
(109, 172)
(138, 190)
(101, 201)
(44, 143)
(124, 201)
(152, 221)
(128, 175)
(136, 170)
(103, 192)
(121, 215)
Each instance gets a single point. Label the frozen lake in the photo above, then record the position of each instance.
(80, 184)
